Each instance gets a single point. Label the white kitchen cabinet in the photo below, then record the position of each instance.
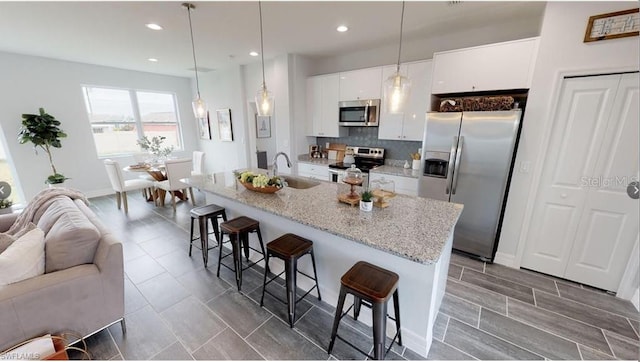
(403, 185)
(507, 65)
(361, 84)
(408, 126)
(322, 106)
(315, 171)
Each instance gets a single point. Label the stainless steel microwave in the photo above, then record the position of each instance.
(360, 113)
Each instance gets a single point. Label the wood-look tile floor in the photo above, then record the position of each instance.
(178, 310)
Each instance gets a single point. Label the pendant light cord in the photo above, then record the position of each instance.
(261, 43)
(193, 47)
(400, 46)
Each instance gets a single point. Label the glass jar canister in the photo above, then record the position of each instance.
(353, 176)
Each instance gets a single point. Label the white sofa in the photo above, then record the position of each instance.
(82, 290)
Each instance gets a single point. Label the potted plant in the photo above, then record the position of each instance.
(5, 206)
(154, 146)
(43, 131)
(366, 202)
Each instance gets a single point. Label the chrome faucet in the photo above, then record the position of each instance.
(274, 162)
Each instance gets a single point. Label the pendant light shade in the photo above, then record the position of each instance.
(397, 88)
(199, 106)
(264, 98)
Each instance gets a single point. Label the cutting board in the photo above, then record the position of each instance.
(336, 151)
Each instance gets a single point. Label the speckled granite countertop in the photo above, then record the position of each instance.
(397, 171)
(316, 161)
(411, 227)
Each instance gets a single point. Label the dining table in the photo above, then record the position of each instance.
(158, 172)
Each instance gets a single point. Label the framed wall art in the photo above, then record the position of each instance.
(204, 125)
(614, 25)
(225, 127)
(263, 126)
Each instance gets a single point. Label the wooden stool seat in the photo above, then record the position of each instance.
(239, 225)
(203, 213)
(207, 210)
(238, 230)
(372, 287)
(290, 248)
(371, 281)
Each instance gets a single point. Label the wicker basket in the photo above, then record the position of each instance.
(264, 190)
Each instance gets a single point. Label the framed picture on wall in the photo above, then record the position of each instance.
(263, 126)
(205, 127)
(225, 128)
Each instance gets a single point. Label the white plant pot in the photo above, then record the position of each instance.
(366, 205)
(415, 165)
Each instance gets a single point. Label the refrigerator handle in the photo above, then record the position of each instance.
(452, 154)
(457, 166)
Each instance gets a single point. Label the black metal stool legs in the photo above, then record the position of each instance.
(204, 238)
(290, 270)
(396, 312)
(379, 329)
(336, 319)
(315, 274)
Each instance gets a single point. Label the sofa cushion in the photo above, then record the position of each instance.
(70, 238)
(23, 259)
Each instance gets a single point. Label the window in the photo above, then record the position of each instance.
(119, 117)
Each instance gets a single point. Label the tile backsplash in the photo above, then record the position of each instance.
(368, 136)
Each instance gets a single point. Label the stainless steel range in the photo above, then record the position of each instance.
(365, 158)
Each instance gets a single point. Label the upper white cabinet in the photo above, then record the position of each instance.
(507, 65)
(361, 84)
(408, 126)
(322, 106)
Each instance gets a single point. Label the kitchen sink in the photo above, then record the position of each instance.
(300, 183)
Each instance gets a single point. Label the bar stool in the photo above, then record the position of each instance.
(371, 286)
(289, 248)
(238, 230)
(203, 213)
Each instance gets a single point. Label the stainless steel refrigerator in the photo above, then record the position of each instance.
(468, 160)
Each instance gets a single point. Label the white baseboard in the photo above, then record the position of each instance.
(98, 193)
(506, 260)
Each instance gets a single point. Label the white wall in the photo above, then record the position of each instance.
(252, 80)
(222, 89)
(419, 49)
(561, 52)
(31, 82)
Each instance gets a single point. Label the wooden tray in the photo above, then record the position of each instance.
(382, 197)
(263, 190)
(347, 199)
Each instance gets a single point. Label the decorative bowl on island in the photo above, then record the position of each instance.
(260, 182)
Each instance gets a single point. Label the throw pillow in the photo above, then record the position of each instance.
(6, 239)
(23, 259)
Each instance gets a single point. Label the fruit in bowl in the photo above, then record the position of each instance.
(260, 182)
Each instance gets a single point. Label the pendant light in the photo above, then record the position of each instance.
(264, 98)
(199, 106)
(397, 87)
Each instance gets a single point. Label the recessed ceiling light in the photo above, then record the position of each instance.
(152, 60)
(342, 28)
(254, 54)
(153, 26)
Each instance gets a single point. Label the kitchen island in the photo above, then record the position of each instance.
(412, 237)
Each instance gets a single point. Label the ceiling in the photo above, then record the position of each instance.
(113, 33)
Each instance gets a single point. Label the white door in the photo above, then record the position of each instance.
(581, 230)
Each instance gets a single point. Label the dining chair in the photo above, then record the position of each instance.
(121, 186)
(198, 163)
(176, 169)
